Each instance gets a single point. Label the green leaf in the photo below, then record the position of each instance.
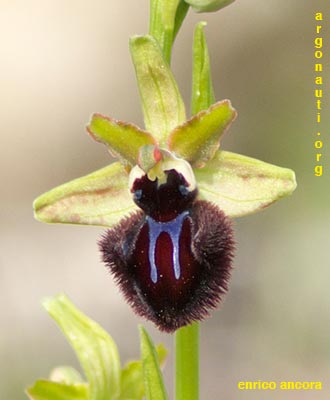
(47, 390)
(208, 5)
(199, 138)
(202, 89)
(242, 185)
(101, 198)
(162, 104)
(123, 139)
(66, 375)
(153, 379)
(95, 349)
(132, 385)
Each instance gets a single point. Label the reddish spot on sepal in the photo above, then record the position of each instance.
(172, 262)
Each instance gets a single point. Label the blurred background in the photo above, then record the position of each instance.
(61, 61)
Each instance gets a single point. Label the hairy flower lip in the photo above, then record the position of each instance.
(172, 302)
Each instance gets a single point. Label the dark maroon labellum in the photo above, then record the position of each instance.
(173, 259)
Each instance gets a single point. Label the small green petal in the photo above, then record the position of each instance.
(47, 390)
(153, 379)
(96, 350)
(122, 139)
(132, 385)
(199, 138)
(208, 5)
(202, 89)
(242, 185)
(101, 198)
(162, 104)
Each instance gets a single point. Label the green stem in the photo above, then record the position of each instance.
(187, 363)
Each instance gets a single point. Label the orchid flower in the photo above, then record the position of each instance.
(169, 198)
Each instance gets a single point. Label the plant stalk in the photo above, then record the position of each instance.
(187, 362)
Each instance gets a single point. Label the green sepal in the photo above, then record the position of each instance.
(198, 139)
(95, 349)
(242, 185)
(100, 198)
(208, 5)
(123, 139)
(162, 105)
(48, 390)
(153, 379)
(202, 90)
(132, 385)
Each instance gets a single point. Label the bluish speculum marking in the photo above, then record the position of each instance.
(173, 228)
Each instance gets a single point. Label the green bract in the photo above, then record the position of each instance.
(238, 185)
(208, 5)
